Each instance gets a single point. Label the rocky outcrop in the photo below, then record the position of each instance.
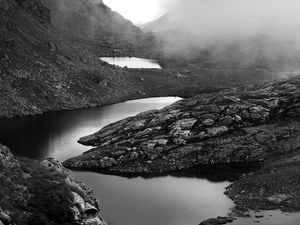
(43, 193)
(217, 221)
(85, 207)
(234, 126)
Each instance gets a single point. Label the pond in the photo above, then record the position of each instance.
(132, 62)
(177, 199)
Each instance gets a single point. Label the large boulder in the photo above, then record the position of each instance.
(85, 207)
(7, 159)
(30, 186)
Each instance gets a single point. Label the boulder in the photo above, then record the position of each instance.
(7, 159)
(278, 198)
(217, 221)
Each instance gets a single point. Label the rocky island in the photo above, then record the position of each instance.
(254, 125)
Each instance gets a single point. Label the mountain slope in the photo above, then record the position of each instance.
(45, 68)
(162, 23)
(98, 27)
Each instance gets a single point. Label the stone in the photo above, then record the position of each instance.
(4, 5)
(78, 201)
(217, 221)
(208, 122)
(217, 130)
(184, 124)
(53, 165)
(94, 221)
(90, 209)
(278, 198)
(7, 159)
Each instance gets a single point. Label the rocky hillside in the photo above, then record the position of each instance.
(43, 193)
(45, 68)
(98, 28)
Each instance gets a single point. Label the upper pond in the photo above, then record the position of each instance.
(132, 62)
(168, 200)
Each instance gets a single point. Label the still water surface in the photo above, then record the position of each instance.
(132, 62)
(168, 200)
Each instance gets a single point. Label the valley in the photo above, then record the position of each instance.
(221, 130)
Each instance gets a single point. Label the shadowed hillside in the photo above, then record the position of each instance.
(45, 61)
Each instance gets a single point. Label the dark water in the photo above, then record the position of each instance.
(132, 62)
(56, 134)
(168, 200)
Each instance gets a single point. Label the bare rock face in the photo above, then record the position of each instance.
(234, 126)
(7, 159)
(85, 207)
(29, 186)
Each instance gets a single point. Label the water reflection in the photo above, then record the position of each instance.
(56, 134)
(158, 201)
(132, 62)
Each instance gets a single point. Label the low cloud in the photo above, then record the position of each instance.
(250, 28)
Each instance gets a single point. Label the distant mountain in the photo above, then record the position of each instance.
(183, 40)
(162, 23)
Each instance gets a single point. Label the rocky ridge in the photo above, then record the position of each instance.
(43, 193)
(233, 126)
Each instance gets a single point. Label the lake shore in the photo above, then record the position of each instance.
(251, 125)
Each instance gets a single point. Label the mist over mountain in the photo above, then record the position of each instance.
(240, 30)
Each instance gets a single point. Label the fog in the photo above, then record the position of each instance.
(269, 28)
(229, 18)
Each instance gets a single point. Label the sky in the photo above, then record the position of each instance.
(138, 11)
